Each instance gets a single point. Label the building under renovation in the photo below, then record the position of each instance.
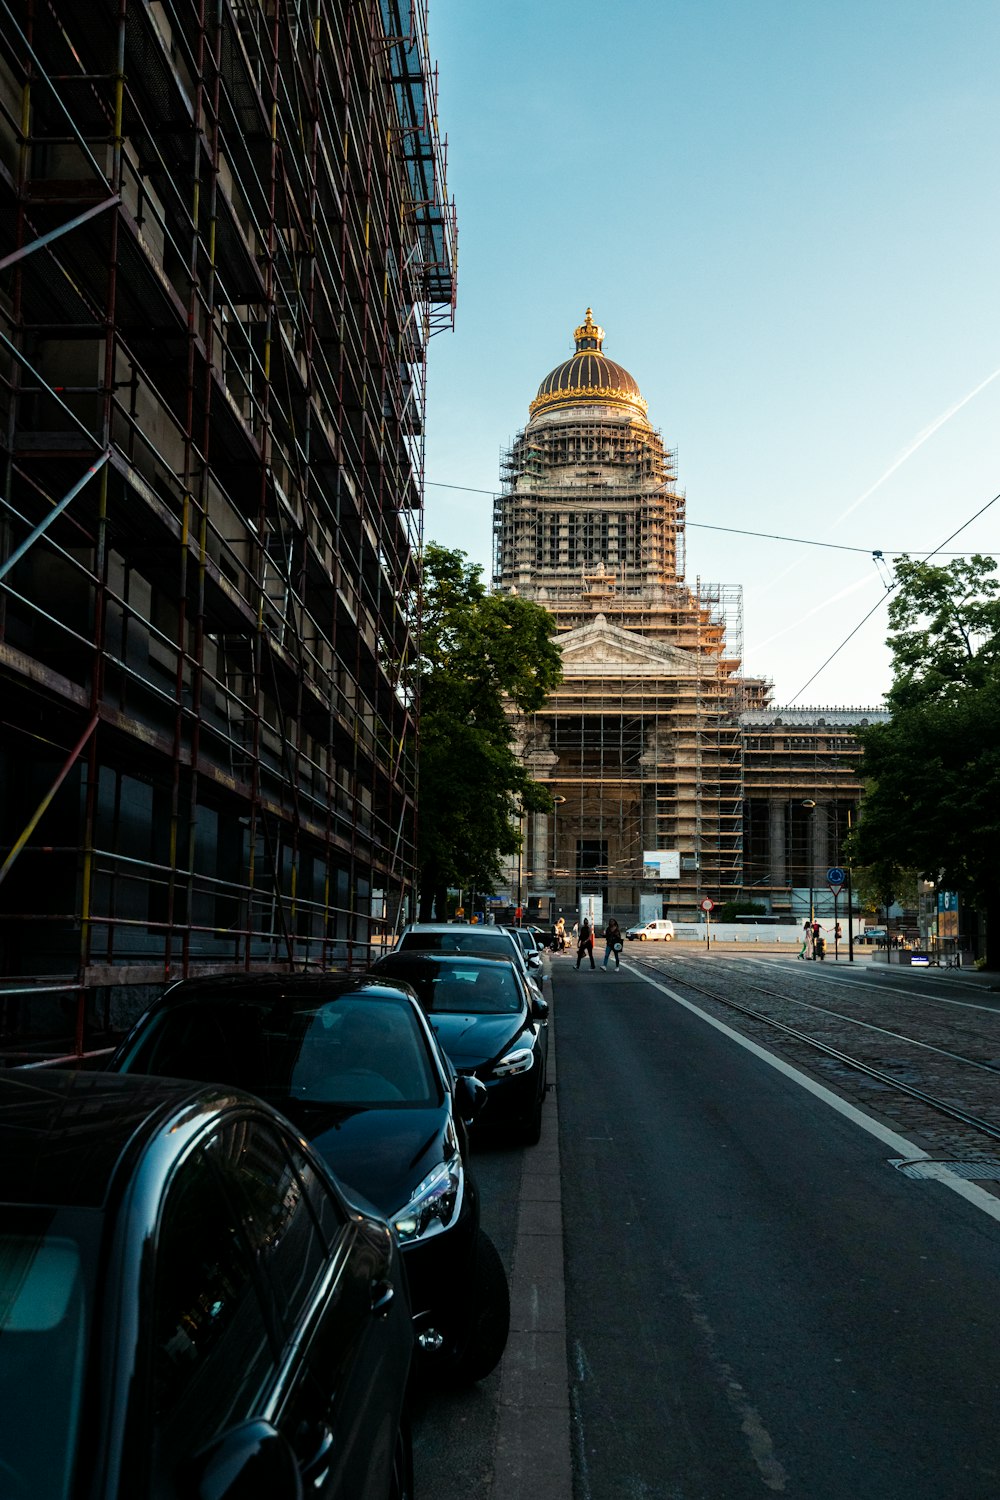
(673, 781)
(225, 240)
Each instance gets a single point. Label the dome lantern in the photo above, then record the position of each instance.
(589, 335)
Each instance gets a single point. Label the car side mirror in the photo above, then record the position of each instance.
(470, 1096)
(534, 960)
(249, 1460)
(539, 1009)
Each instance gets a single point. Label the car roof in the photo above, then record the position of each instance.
(463, 932)
(63, 1135)
(273, 989)
(428, 956)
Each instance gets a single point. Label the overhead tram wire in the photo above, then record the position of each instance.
(936, 552)
(765, 536)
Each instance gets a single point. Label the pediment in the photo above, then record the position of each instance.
(600, 647)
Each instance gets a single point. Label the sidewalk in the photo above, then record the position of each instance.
(533, 1453)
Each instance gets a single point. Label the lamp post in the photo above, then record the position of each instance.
(810, 805)
(520, 856)
(557, 802)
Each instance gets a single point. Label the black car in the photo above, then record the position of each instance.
(189, 1305)
(491, 1024)
(354, 1065)
(489, 941)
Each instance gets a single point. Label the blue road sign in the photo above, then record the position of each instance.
(836, 876)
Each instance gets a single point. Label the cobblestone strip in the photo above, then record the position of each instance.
(975, 1034)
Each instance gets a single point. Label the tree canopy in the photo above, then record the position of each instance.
(932, 800)
(480, 653)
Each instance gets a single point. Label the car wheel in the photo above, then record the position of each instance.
(489, 1317)
(401, 1482)
(642, 937)
(531, 1131)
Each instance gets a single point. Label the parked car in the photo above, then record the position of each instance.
(543, 935)
(661, 929)
(189, 1304)
(531, 946)
(450, 937)
(492, 1025)
(355, 1066)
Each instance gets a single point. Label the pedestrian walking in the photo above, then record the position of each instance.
(806, 951)
(585, 945)
(612, 943)
(560, 930)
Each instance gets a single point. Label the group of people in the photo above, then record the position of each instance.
(813, 941)
(583, 936)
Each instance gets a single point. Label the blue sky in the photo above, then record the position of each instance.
(786, 217)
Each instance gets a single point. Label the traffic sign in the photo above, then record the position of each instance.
(708, 904)
(836, 876)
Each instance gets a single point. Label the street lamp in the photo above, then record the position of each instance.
(557, 802)
(810, 805)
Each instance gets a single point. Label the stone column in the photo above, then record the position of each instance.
(540, 851)
(776, 842)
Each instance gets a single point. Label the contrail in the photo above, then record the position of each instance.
(908, 452)
(918, 442)
(850, 588)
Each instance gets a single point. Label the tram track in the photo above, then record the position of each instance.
(952, 1071)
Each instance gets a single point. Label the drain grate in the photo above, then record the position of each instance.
(982, 1171)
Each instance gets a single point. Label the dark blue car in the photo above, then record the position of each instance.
(354, 1065)
(493, 1026)
(189, 1305)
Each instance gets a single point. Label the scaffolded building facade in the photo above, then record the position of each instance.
(225, 242)
(802, 786)
(640, 745)
(655, 747)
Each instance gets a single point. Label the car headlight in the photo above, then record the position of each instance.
(518, 1061)
(435, 1204)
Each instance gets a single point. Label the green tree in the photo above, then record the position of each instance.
(932, 800)
(480, 654)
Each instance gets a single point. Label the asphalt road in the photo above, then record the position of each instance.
(756, 1301)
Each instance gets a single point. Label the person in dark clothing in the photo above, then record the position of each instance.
(585, 944)
(612, 943)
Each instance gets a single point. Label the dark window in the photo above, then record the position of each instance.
(212, 1356)
(284, 1236)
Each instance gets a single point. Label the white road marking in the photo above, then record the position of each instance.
(973, 1194)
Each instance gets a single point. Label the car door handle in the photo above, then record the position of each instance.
(382, 1294)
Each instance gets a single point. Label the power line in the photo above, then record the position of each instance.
(766, 536)
(937, 552)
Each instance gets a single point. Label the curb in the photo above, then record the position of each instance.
(533, 1453)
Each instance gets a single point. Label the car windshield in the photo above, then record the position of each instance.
(459, 940)
(487, 988)
(350, 1050)
(43, 1342)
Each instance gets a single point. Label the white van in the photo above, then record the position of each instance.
(661, 928)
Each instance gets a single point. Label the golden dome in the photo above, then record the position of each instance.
(588, 378)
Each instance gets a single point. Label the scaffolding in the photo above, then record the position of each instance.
(640, 745)
(660, 754)
(803, 785)
(225, 243)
